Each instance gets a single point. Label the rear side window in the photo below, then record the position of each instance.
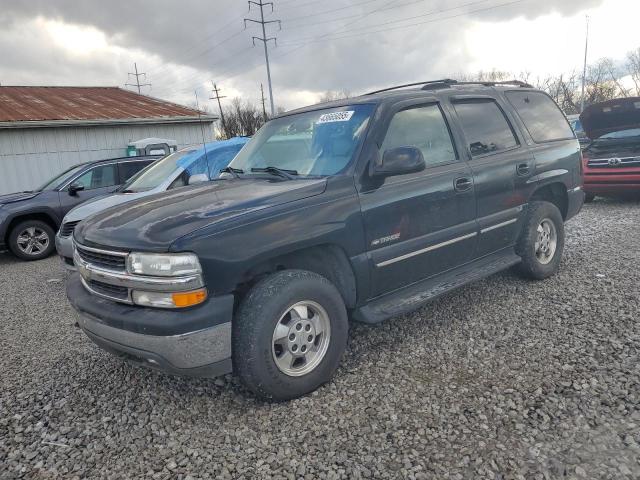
(542, 117)
(129, 169)
(485, 126)
(422, 127)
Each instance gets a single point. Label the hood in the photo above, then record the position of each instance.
(155, 222)
(16, 197)
(610, 116)
(98, 204)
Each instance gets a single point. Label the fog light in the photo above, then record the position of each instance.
(169, 300)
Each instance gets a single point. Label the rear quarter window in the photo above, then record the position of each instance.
(541, 116)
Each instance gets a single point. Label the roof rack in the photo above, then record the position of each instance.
(447, 82)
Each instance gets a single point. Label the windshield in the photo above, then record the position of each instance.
(57, 180)
(321, 142)
(156, 173)
(631, 132)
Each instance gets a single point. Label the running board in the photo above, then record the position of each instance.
(416, 295)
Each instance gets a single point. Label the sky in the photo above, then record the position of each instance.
(358, 45)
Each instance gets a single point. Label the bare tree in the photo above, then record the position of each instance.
(331, 95)
(632, 67)
(241, 119)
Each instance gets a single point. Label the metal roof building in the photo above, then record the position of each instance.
(44, 130)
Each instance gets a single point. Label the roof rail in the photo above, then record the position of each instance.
(443, 81)
(447, 82)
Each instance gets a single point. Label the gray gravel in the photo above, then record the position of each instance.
(504, 379)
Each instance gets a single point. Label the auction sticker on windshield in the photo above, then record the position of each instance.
(336, 117)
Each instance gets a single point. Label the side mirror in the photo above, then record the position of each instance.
(400, 161)
(74, 188)
(198, 178)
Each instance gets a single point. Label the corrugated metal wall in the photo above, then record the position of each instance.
(31, 156)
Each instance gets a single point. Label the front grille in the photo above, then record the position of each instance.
(113, 291)
(102, 259)
(614, 162)
(68, 228)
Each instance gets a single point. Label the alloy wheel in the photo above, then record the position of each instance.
(301, 338)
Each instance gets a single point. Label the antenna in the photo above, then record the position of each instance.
(204, 145)
(264, 40)
(137, 75)
(584, 68)
(264, 110)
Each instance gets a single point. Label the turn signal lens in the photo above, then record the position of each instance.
(169, 300)
(189, 299)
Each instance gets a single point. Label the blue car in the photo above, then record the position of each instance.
(193, 164)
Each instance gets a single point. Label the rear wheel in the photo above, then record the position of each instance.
(289, 334)
(541, 241)
(32, 240)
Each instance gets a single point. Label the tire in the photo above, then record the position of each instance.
(32, 240)
(589, 197)
(537, 263)
(259, 359)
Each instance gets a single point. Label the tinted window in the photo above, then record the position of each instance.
(424, 128)
(485, 126)
(129, 169)
(541, 116)
(98, 177)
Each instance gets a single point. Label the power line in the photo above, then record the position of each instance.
(137, 75)
(400, 20)
(324, 38)
(264, 39)
(217, 97)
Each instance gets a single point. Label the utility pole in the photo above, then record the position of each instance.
(137, 75)
(264, 110)
(584, 68)
(217, 97)
(264, 40)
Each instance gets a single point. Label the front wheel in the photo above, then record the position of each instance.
(289, 334)
(32, 240)
(541, 241)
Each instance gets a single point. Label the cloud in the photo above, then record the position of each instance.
(182, 45)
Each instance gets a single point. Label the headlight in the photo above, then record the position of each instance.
(163, 264)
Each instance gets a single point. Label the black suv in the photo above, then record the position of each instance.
(29, 220)
(368, 207)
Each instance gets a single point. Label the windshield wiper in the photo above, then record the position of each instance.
(281, 172)
(232, 171)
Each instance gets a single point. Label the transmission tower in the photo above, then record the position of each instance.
(264, 39)
(137, 75)
(217, 97)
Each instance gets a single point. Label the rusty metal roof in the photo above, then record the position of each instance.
(37, 104)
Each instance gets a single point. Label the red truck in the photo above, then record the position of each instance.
(611, 161)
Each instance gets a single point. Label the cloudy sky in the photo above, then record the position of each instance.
(356, 45)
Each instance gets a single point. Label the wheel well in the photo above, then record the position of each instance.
(43, 217)
(330, 261)
(555, 193)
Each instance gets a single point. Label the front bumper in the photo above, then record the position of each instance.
(194, 341)
(64, 247)
(612, 182)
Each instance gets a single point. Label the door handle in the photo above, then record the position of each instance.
(462, 184)
(523, 169)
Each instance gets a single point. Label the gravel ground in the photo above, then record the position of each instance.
(504, 379)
